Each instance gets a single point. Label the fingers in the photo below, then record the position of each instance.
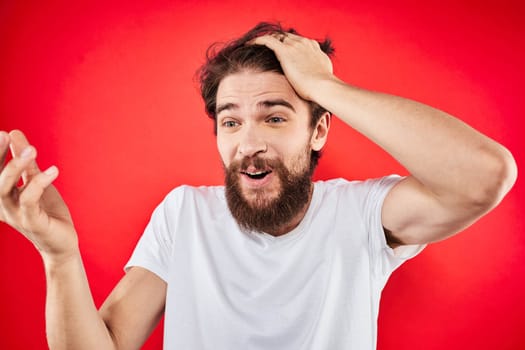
(272, 41)
(4, 145)
(275, 40)
(29, 199)
(13, 170)
(26, 208)
(22, 165)
(18, 143)
(289, 37)
(24, 200)
(9, 178)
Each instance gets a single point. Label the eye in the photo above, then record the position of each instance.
(275, 120)
(230, 123)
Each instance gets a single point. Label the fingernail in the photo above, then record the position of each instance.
(3, 139)
(27, 152)
(52, 170)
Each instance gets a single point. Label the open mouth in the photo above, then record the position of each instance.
(257, 175)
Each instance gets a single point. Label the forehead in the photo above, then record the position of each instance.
(246, 86)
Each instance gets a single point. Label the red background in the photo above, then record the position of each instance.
(105, 91)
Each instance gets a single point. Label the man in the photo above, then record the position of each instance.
(271, 260)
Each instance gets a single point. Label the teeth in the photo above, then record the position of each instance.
(256, 173)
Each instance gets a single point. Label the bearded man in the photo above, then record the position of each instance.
(271, 260)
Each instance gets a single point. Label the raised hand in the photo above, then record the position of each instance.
(303, 62)
(35, 208)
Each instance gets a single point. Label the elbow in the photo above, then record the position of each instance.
(495, 181)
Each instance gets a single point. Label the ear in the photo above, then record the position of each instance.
(320, 134)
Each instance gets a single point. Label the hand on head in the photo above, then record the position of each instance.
(302, 60)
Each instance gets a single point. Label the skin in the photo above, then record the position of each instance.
(260, 115)
(435, 201)
(457, 175)
(37, 211)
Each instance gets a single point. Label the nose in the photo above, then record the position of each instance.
(252, 141)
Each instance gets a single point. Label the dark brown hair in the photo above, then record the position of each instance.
(235, 56)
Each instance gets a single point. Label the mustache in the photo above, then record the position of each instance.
(258, 163)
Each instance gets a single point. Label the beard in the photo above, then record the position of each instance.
(263, 214)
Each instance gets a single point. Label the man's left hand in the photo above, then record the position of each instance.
(303, 62)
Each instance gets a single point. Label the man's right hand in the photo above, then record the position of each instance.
(35, 208)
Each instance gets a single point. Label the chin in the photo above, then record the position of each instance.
(260, 198)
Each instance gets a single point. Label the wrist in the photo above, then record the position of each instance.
(56, 261)
(320, 88)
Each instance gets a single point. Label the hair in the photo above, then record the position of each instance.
(223, 59)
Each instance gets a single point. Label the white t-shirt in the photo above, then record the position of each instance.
(316, 287)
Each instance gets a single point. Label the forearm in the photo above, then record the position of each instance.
(72, 320)
(448, 157)
(38, 212)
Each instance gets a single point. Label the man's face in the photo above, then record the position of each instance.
(265, 141)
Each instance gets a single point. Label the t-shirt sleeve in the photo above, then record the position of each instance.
(384, 259)
(153, 250)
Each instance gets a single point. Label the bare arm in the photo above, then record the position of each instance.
(457, 174)
(72, 321)
(125, 320)
(134, 308)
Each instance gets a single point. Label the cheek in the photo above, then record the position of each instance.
(226, 150)
(300, 160)
(293, 142)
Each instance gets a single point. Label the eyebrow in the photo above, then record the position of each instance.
(266, 104)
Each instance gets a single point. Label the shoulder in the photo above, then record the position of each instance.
(187, 193)
(341, 185)
(194, 201)
(357, 195)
